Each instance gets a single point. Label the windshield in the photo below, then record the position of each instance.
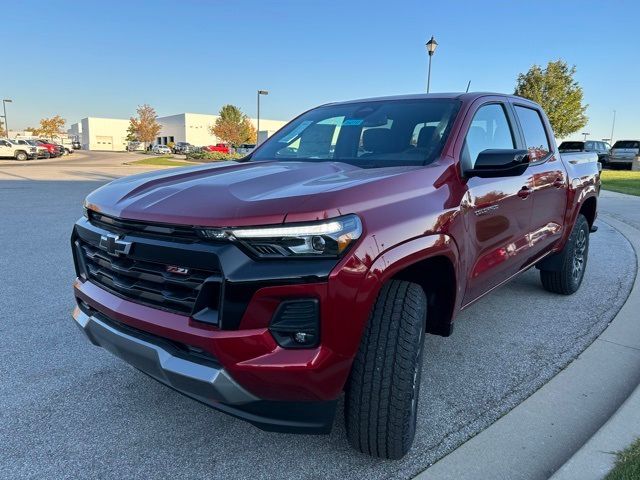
(371, 134)
(571, 146)
(626, 144)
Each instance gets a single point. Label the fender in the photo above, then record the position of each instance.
(398, 258)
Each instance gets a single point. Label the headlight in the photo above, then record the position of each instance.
(327, 238)
(33, 149)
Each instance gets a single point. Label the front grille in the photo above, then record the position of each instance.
(150, 283)
(123, 226)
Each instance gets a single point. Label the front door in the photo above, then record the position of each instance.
(497, 211)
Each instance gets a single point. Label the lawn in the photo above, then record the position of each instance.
(162, 161)
(628, 462)
(623, 181)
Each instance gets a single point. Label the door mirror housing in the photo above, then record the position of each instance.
(494, 163)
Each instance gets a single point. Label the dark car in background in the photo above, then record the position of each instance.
(601, 148)
(182, 147)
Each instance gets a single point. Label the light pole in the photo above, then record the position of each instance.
(431, 49)
(4, 107)
(612, 125)
(260, 92)
(585, 135)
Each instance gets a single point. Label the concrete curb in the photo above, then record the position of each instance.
(536, 438)
(596, 457)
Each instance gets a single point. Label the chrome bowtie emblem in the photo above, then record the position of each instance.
(114, 246)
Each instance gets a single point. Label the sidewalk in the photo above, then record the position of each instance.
(541, 435)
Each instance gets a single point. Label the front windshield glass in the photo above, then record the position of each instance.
(381, 133)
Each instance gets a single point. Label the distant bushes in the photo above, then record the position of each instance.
(203, 156)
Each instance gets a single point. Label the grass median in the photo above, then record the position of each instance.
(622, 181)
(162, 161)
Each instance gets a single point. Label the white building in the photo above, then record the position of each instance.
(110, 133)
(95, 133)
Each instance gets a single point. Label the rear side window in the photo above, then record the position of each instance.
(626, 144)
(489, 130)
(535, 134)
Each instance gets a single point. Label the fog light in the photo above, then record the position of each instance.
(296, 323)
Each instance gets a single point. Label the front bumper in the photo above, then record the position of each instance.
(201, 379)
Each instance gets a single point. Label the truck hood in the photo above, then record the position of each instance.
(231, 194)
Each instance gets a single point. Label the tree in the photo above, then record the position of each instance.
(233, 127)
(146, 127)
(50, 127)
(559, 94)
(132, 134)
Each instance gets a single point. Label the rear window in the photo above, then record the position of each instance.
(534, 133)
(626, 144)
(571, 146)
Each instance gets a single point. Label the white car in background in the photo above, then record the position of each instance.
(10, 149)
(41, 151)
(624, 152)
(159, 149)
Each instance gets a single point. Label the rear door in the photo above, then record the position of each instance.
(6, 149)
(496, 211)
(550, 180)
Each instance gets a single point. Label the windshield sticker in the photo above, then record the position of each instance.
(296, 131)
(353, 121)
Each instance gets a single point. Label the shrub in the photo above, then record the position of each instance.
(203, 156)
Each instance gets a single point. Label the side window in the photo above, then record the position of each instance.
(535, 134)
(489, 130)
(588, 146)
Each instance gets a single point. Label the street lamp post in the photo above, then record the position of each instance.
(431, 49)
(4, 107)
(585, 135)
(260, 92)
(612, 125)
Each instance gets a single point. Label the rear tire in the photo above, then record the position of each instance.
(573, 263)
(381, 400)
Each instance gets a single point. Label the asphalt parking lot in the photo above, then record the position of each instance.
(71, 410)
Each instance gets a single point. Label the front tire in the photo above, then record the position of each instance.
(573, 263)
(381, 400)
(21, 156)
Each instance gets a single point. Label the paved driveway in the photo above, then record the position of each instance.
(71, 410)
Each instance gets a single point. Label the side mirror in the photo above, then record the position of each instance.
(499, 163)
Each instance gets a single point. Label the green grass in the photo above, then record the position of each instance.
(628, 463)
(623, 181)
(162, 161)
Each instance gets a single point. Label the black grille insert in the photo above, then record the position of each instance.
(132, 226)
(151, 283)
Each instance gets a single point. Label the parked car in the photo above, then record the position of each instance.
(266, 288)
(161, 149)
(54, 150)
(11, 149)
(182, 148)
(602, 149)
(624, 152)
(218, 147)
(245, 148)
(134, 146)
(76, 145)
(41, 151)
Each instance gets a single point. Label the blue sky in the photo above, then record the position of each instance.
(93, 58)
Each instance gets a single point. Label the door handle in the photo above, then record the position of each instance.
(559, 182)
(524, 192)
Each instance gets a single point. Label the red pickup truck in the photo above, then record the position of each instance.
(268, 287)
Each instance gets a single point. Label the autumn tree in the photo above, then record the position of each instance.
(559, 94)
(145, 127)
(233, 127)
(50, 127)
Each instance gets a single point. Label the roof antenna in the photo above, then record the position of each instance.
(468, 85)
